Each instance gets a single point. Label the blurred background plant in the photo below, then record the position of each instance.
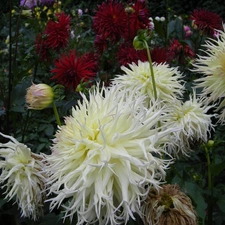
(28, 56)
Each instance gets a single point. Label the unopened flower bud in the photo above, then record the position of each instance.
(138, 44)
(129, 10)
(39, 96)
(210, 143)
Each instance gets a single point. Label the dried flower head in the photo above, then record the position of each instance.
(39, 96)
(212, 66)
(21, 174)
(168, 205)
(104, 156)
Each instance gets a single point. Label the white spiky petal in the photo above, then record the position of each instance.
(22, 177)
(194, 121)
(138, 76)
(105, 156)
(212, 66)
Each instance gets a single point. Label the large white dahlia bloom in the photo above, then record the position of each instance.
(105, 157)
(212, 66)
(22, 177)
(138, 76)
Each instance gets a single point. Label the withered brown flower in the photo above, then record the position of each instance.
(168, 206)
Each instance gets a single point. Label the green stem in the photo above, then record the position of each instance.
(210, 186)
(56, 113)
(151, 70)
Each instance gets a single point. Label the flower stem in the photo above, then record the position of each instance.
(210, 186)
(151, 70)
(56, 113)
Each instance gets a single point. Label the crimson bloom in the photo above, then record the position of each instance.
(110, 20)
(179, 52)
(206, 21)
(71, 69)
(127, 54)
(58, 32)
(137, 19)
(159, 55)
(41, 47)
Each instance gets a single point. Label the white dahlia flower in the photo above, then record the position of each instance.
(194, 123)
(212, 66)
(138, 76)
(22, 177)
(105, 157)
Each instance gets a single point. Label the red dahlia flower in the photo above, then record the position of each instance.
(137, 20)
(58, 32)
(127, 54)
(179, 52)
(159, 55)
(42, 47)
(206, 21)
(71, 69)
(110, 20)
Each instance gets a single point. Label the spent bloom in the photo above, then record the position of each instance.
(71, 69)
(212, 66)
(206, 21)
(194, 122)
(104, 156)
(138, 76)
(21, 174)
(168, 205)
(39, 96)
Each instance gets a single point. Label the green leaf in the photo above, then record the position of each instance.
(221, 203)
(158, 27)
(217, 168)
(196, 194)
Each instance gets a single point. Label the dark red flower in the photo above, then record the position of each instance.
(206, 21)
(58, 32)
(101, 43)
(159, 55)
(127, 54)
(179, 52)
(42, 47)
(137, 19)
(110, 20)
(71, 69)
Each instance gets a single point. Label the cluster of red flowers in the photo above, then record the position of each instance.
(114, 24)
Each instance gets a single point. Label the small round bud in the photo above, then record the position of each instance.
(210, 143)
(129, 10)
(138, 45)
(39, 96)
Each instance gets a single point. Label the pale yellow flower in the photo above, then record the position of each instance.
(193, 121)
(39, 96)
(212, 65)
(22, 177)
(105, 156)
(138, 76)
